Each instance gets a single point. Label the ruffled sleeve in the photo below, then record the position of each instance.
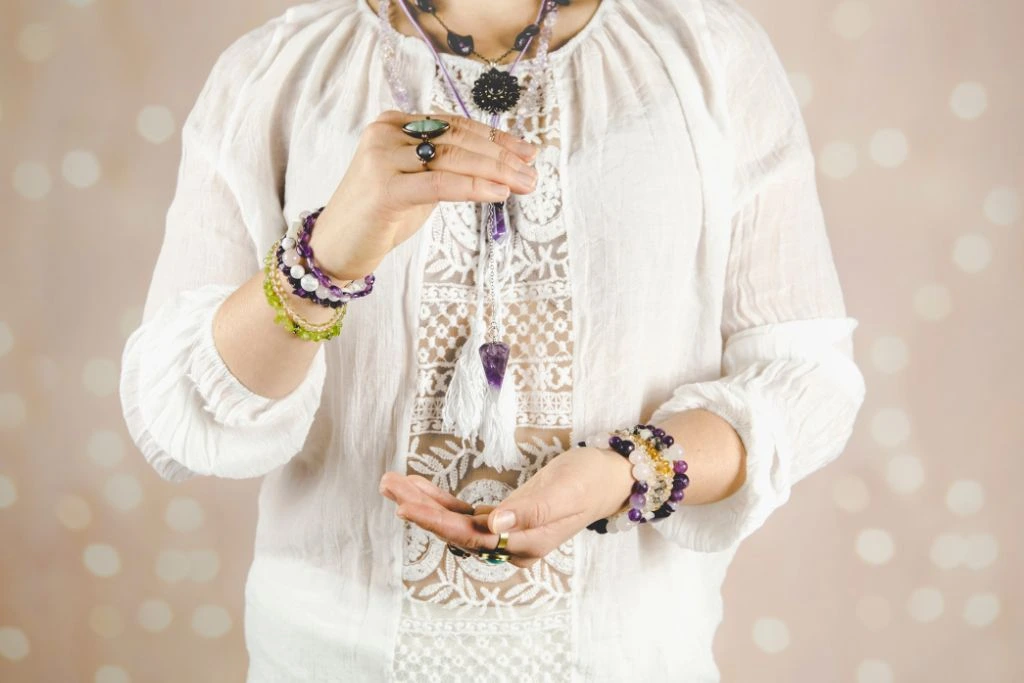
(185, 410)
(789, 386)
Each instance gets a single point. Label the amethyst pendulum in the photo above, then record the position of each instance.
(498, 221)
(494, 356)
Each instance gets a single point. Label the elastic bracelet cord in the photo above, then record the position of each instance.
(659, 474)
(284, 315)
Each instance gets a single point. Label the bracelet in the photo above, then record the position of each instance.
(299, 238)
(659, 472)
(292, 321)
(303, 284)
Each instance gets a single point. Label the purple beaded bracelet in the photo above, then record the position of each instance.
(651, 486)
(299, 279)
(352, 291)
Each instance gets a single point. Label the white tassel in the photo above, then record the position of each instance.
(464, 400)
(498, 429)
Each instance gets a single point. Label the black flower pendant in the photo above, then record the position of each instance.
(496, 91)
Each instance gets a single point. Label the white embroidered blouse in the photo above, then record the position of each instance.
(673, 256)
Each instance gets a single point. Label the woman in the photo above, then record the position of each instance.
(664, 264)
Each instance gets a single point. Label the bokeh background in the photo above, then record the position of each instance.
(895, 563)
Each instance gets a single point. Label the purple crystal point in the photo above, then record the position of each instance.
(499, 226)
(494, 356)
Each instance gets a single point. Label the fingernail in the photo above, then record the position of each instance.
(503, 521)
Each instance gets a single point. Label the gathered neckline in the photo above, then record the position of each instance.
(597, 21)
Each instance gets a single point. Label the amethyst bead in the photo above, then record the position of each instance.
(640, 487)
(668, 440)
(676, 496)
(638, 500)
(679, 466)
(635, 515)
(685, 479)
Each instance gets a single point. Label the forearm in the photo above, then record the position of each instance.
(713, 451)
(264, 356)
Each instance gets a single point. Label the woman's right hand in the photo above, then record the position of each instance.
(386, 195)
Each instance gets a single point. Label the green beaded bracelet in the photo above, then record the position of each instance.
(281, 312)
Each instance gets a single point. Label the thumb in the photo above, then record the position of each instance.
(518, 515)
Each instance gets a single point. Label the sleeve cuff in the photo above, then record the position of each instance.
(791, 391)
(186, 411)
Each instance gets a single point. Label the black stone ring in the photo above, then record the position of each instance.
(457, 551)
(426, 151)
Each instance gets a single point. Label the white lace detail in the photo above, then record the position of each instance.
(444, 650)
(461, 614)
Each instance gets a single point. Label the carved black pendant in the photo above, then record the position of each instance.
(496, 91)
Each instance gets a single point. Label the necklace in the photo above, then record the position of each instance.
(494, 90)
(479, 401)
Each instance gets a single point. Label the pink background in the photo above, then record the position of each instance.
(893, 564)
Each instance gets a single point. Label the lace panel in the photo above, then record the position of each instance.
(464, 614)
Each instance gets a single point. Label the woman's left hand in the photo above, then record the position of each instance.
(574, 489)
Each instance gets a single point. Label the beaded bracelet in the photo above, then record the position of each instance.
(308, 280)
(291, 320)
(300, 280)
(658, 469)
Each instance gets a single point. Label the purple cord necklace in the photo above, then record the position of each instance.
(478, 402)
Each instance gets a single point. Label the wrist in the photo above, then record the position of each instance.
(619, 481)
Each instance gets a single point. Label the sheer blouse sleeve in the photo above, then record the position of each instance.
(183, 408)
(789, 385)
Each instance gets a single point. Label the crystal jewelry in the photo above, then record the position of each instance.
(478, 402)
(499, 554)
(285, 316)
(457, 551)
(495, 90)
(425, 129)
(659, 472)
(355, 289)
(296, 260)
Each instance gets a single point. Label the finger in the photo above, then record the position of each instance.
(430, 187)
(499, 167)
(464, 531)
(403, 490)
(462, 129)
(453, 503)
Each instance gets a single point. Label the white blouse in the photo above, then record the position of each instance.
(673, 256)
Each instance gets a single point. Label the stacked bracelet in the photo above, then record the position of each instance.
(659, 472)
(306, 278)
(284, 315)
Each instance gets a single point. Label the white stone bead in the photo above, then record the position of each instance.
(322, 292)
(673, 452)
(599, 440)
(298, 271)
(642, 472)
(288, 242)
(646, 433)
(637, 456)
(309, 282)
(290, 257)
